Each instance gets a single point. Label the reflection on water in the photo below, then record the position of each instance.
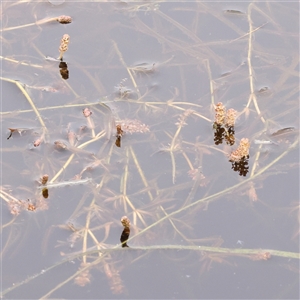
(135, 120)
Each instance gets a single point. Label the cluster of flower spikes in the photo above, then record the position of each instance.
(224, 129)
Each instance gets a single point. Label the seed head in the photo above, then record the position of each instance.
(230, 117)
(241, 151)
(63, 45)
(125, 222)
(44, 179)
(220, 111)
(64, 19)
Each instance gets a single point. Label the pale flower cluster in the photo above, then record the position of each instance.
(230, 117)
(220, 113)
(64, 19)
(63, 45)
(224, 118)
(125, 222)
(241, 151)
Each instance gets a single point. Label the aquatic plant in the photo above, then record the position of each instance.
(63, 47)
(80, 153)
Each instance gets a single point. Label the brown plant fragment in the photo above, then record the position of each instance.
(241, 166)
(118, 141)
(230, 138)
(219, 134)
(119, 131)
(63, 69)
(126, 232)
(45, 193)
(118, 135)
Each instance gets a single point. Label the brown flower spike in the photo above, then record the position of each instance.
(126, 232)
(44, 179)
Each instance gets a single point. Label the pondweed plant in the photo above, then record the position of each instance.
(158, 159)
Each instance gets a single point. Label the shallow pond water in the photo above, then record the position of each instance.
(124, 126)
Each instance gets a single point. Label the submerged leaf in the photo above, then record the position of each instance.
(234, 11)
(143, 68)
(283, 131)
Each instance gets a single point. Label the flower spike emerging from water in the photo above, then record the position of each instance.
(220, 111)
(63, 45)
(230, 118)
(241, 151)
